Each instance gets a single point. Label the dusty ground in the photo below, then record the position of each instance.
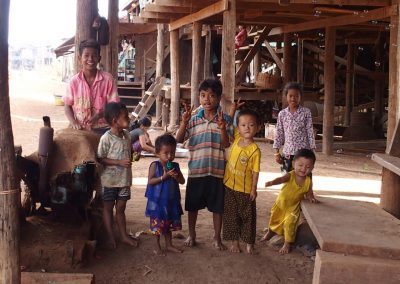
(343, 175)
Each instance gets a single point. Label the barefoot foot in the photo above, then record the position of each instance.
(219, 245)
(250, 249)
(190, 242)
(172, 248)
(285, 248)
(129, 241)
(235, 247)
(267, 236)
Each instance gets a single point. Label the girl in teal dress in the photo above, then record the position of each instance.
(163, 195)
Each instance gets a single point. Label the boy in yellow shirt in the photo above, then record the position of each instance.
(240, 180)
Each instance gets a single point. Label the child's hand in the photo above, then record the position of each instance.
(171, 173)
(253, 195)
(268, 184)
(126, 163)
(278, 159)
(234, 107)
(187, 113)
(312, 199)
(221, 121)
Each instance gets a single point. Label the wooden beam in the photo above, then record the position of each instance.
(155, 15)
(228, 56)
(184, 3)
(207, 53)
(362, 17)
(329, 91)
(168, 9)
(275, 57)
(204, 13)
(159, 64)
(113, 21)
(196, 52)
(337, 58)
(328, 2)
(250, 55)
(140, 21)
(131, 28)
(9, 188)
(300, 59)
(174, 56)
(349, 83)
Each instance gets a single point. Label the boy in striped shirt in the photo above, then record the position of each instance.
(208, 133)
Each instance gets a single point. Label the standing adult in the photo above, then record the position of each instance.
(294, 128)
(89, 91)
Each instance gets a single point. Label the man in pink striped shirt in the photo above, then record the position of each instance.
(89, 91)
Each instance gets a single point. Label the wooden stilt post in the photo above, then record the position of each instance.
(86, 10)
(329, 87)
(159, 64)
(349, 83)
(390, 190)
(299, 60)
(175, 87)
(257, 64)
(196, 52)
(113, 22)
(287, 65)
(207, 53)
(228, 56)
(9, 194)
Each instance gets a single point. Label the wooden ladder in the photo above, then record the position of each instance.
(148, 99)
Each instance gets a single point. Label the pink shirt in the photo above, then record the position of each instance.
(86, 101)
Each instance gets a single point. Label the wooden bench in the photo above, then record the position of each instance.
(356, 233)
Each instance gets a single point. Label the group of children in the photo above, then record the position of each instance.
(220, 179)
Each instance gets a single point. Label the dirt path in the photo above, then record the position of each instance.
(344, 175)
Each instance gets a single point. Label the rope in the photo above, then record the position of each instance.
(8, 192)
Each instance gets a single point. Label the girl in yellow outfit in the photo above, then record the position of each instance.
(286, 211)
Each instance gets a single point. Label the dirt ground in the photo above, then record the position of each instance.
(346, 174)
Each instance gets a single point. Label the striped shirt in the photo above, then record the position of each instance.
(206, 152)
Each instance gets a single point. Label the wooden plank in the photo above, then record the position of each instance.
(168, 9)
(250, 55)
(387, 161)
(376, 14)
(338, 224)
(133, 28)
(207, 53)
(204, 13)
(196, 53)
(57, 278)
(275, 57)
(155, 15)
(394, 143)
(183, 3)
(228, 55)
(326, 2)
(329, 91)
(174, 56)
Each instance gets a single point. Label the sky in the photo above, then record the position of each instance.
(43, 22)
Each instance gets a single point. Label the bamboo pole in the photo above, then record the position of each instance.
(9, 195)
(228, 56)
(175, 87)
(196, 53)
(349, 83)
(329, 87)
(159, 64)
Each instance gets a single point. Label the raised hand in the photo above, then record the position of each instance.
(234, 107)
(187, 114)
(221, 121)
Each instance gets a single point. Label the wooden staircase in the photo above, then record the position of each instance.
(148, 99)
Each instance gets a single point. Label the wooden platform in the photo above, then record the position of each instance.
(354, 227)
(387, 161)
(334, 268)
(56, 278)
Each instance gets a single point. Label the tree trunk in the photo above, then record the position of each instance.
(9, 194)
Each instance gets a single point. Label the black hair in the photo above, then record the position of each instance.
(213, 84)
(248, 112)
(89, 43)
(112, 111)
(164, 140)
(305, 153)
(293, 86)
(145, 121)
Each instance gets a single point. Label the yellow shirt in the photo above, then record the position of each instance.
(242, 162)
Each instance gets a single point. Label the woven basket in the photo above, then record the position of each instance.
(268, 81)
